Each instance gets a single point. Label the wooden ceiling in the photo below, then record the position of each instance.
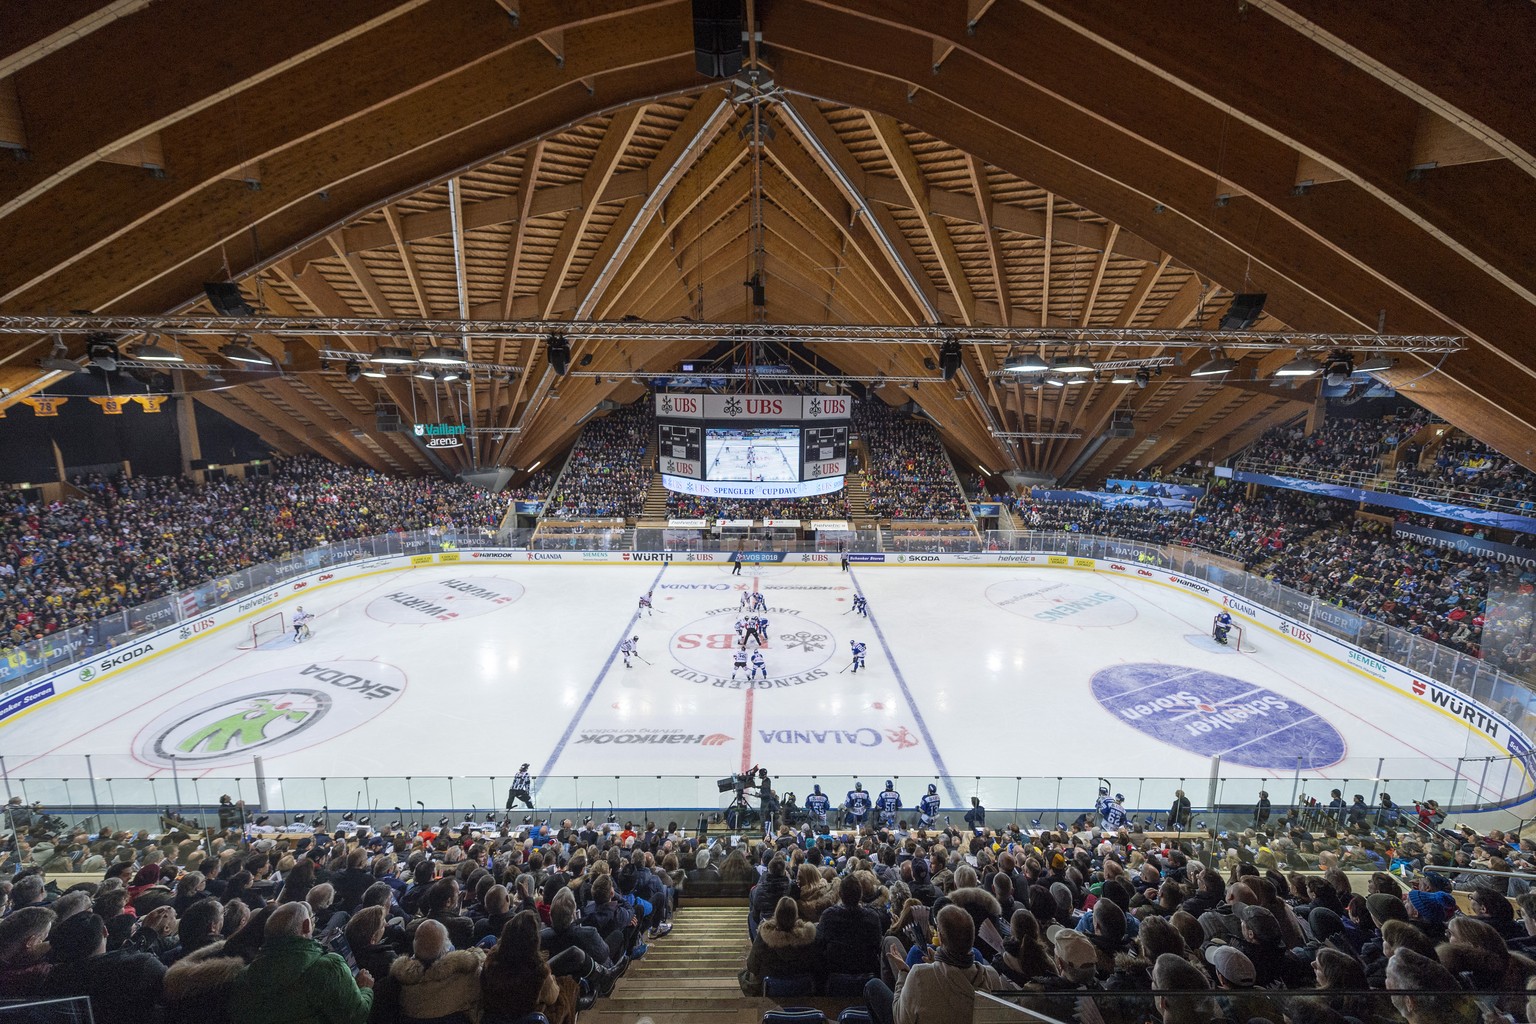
(1019, 162)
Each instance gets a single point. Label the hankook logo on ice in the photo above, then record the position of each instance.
(664, 737)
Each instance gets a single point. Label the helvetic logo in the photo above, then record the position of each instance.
(901, 738)
(1199, 588)
(1238, 606)
(1294, 631)
(667, 737)
(257, 602)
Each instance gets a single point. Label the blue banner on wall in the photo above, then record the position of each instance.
(1524, 558)
(1104, 498)
(1156, 489)
(23, 699)
(987, 508)
(528, 508)
(1424, 506)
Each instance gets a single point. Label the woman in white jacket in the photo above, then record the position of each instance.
(939, 990)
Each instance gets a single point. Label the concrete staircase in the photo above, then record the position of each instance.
(689, 976)
(858, 499)
(655, 506)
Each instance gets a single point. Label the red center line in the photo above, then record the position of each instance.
(746, 722)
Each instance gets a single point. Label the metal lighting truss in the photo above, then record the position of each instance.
(1038, 435)
(405, 330)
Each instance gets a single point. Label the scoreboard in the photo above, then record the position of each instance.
(752, 446)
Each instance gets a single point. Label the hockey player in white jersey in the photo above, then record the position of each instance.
(928, 807)
(858, 648)
(645, 605)
(739, 662)
(301, 624)
(888, 802)
(759, 665)
(746, 601)
(630, 648)
(742, 625)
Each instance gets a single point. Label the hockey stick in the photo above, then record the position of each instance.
(845, 668)
(642, 659)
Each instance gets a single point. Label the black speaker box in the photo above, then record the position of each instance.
(227, 299)
(1246, 309)
(717, 45)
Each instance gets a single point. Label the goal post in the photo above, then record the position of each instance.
(1237, 636)
(263, 630)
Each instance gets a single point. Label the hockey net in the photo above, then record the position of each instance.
(1237, 636)
(263, 630)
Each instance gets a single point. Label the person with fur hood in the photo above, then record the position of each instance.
(197, 987)
(436, 981)
(981, 905)
(772, 887)
(814, 893)
(785, 947)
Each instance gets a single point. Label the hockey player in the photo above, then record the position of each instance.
(301, 625)
(1102, 805)
(742, 625)
(928, 807)
(888, 803)
(760, 627)
(645, 605)
(758, 665)
(860, 605)
(857, 805)
(857, 647)
(1222, 627)
(759, 602)
(1115, 817)
(816, 806)
(739, 662)
(628, 648)
(746, 601)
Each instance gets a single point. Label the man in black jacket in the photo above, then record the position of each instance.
(565, 933)
(122, 985)
(848, 933)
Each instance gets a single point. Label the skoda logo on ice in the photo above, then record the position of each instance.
(240, 725)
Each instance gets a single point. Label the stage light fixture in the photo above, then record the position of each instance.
(1301, 366)
(1374, 364)
(1216, 366)
(443, 355)
(58, 359)
(102, 353)
(559, 352)
(1341, 366)
(392, 355)
(1143, 378)
(154, 352)
(239, 350)
(1071, 364)
(1025, 362)
(373, 373)
(354, 371)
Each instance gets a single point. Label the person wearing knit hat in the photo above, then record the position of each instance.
(1428, 911)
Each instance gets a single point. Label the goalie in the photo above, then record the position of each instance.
(1221, 628)
(301, 625)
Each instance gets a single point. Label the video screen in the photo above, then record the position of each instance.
(767, 454)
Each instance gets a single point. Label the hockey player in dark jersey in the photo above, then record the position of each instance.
(857, 805)
(928, 806)
(888, 802)
(817, 806)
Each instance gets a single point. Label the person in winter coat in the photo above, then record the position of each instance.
(981, 905)
(121, 985)
(941, 990)
(24, 952)
(435, 982)
(1024, 954)
(198, 986)
(848, 934)
(814, 894)
(295, 981)
(366, 933)
(773, 887)
(785, 946)
(517, 981)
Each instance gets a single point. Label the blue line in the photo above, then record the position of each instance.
(602, 674)
(922, 726)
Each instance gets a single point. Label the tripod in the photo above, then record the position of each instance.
(740, 813)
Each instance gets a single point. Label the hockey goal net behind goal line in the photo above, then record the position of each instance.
(263, 631)
(1237, 636)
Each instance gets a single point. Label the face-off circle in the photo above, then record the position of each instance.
(1208, 713)
(1057, 602)
(273, 713)
(445, 600)
(795, 644)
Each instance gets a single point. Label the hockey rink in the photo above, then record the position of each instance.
(454, 671)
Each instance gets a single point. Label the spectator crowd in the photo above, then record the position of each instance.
(1469, 472)
(605, 478)
(417, 923)
(126, 541)
(821, 506)
(909, 475)
(1341, 445)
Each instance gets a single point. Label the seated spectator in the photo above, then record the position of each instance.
(1410, 970)
(785, 947)
(517, 981)
(24, 962)
(120, 984)
(435, 983)
(848, 933)
(294, 979)
(941, 989)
